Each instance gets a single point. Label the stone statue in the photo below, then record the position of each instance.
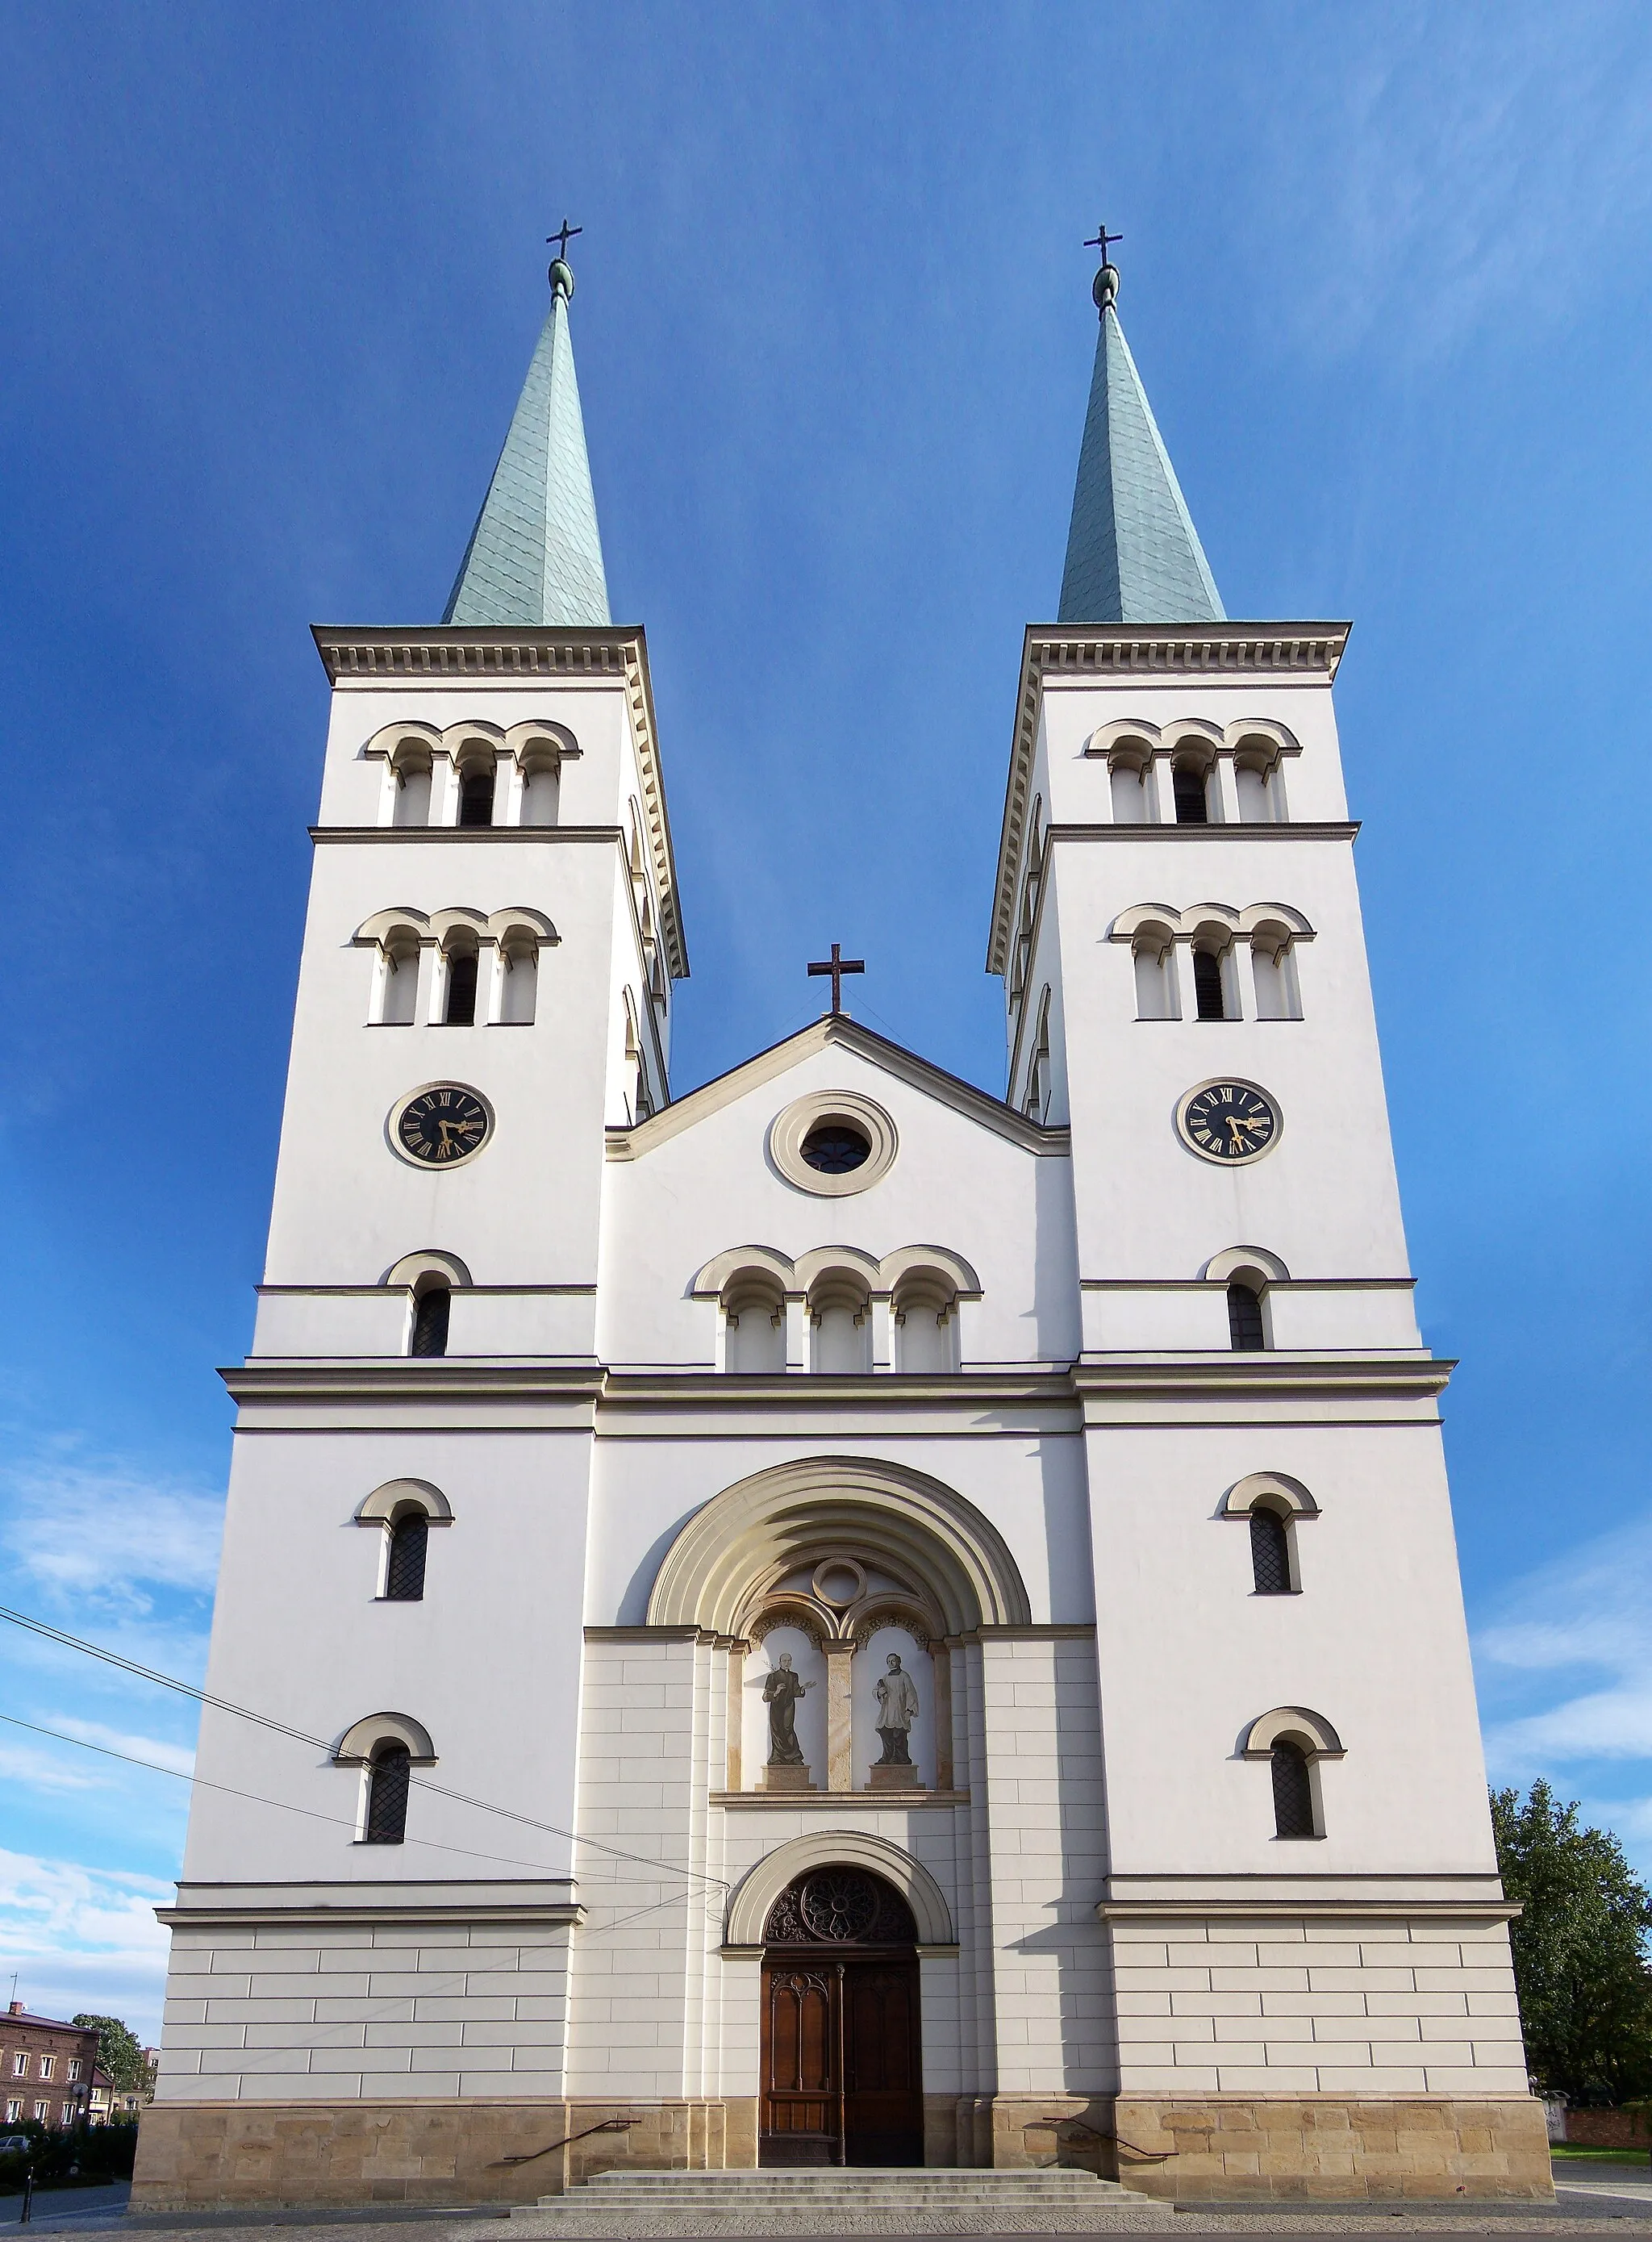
(782, 1693)
(897, 1710)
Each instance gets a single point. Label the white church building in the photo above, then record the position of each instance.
(837, 1618)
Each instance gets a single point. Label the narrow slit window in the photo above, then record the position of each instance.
(1192, 807)
(476, 797)
(1269, 1553)
(461, 990)
(404, 1572)
(1293, 1791)
(1245, 1320)
(1207, 985)
(388, 1784)
(430, 1321)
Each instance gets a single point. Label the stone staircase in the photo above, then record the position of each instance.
(834, 2201)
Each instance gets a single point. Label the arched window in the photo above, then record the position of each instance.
(1245, 1325)
(1294, 1815)
(1274, 968)
(410, 764)
(399, 985)
(458, 1006)
(1189, 783)
(1153, 953)
(541, 788)
(753, 1310)
(1209, 986)
(1269, 1552)
(519, 964)
(430, 1321)
(840, 1321)
(926, 1323)
(476, 793)
(404, 1565)
(388, 1780)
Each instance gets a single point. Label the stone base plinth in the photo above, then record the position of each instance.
(1320, 2148)
(786, 1778)
(892, 1775)
(195, 2154)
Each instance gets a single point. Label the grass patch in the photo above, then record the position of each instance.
(1575, 2152)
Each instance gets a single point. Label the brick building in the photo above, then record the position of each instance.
(46, 2068)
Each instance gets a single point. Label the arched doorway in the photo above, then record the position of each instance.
(843, 2078)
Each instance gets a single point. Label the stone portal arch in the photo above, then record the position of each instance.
(719, 1569)
(753, 1896)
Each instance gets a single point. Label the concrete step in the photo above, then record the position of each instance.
(1048, 2200)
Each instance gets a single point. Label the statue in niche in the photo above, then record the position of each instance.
(782, 1694)
(897, 1710)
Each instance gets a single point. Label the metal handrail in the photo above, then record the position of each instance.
(607, 2125)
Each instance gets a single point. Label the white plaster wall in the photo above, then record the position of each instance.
(1375, 1641)
(485, 1660)
(692, 1196)
(1029, 1482)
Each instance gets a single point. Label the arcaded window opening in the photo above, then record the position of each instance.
(1294, 1802)
(1246, 1328)
(388, 1780)
(404, 1565)
(1271, 1567)
(432, 1310)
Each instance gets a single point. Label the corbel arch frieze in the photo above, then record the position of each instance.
(402, 918)
(727, 1556)
(1126, 732)
(529, 740)
(1207, 917)
(518, 918)
(740, 1260)
(763, 1883)
(831, 1260)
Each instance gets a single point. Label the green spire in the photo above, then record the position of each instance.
(535, 556)
(1133, 555)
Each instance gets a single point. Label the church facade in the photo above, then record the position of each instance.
(837, 1618)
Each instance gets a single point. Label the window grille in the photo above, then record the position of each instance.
(387, 1794)
(1207, 985)
(430, 1321)
(1293, 1792)
(476, 798)
(1245, 1320)
(461, 990)
(405, 1574)
(1269, 1553)
(1188, 785)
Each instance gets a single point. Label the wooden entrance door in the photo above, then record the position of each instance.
(842, 2079)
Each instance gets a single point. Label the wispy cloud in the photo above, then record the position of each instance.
(107, 1537)
(82, 1938)
(1462, 165)
(1565, 1663)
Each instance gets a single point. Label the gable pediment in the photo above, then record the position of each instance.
(836, 1032)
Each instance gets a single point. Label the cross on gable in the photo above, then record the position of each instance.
(837, 965)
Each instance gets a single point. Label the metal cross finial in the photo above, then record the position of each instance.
(837, 965)
(563, 235)
(1103, 241)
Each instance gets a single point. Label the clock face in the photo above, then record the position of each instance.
(1229, 1122)
(442, 1126)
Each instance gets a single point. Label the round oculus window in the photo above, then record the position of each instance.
(836, 1148)
(831, 1143)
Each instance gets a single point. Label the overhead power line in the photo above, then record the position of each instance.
(68, 1641)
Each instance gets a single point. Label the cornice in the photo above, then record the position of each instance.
(1115, 652)
(1264, 1376)
(407, 1378)
(816, 1391)
(471, 835)
(1304, 830)
(833, 1029)
(474, 656)
(1308, 1911)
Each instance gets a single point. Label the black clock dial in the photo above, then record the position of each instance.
(1229, 1121)
(442, 1126)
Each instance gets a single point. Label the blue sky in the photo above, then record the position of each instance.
(272, 275)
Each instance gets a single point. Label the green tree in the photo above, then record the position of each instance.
(1580, 1961)
(120, 2053)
